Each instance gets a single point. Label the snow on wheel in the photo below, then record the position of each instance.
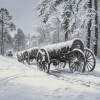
(77, 61)
(39, 61)
(90, 60)
(45, 62)
(42, 61)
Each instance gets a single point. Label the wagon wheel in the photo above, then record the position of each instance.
(60, 65)
(39, 61)
(77, 61)
(45, 63)
(90, 60)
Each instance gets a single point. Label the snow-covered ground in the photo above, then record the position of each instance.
(23, 82)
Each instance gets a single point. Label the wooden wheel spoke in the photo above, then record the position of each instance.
(73, 56)
(87, 66)
(78, 62)
(87, 53)
(81, 59)
(90, 61)
(90, 64)
(90, 58)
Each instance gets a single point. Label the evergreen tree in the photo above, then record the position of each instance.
(49, 7)
(5, 25)
(19, 39)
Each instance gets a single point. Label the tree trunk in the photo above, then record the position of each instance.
(18, 46)
(89, 34)
(66, 36)
(2, 49)
(96, 29)
(89, 27)
(58, 33)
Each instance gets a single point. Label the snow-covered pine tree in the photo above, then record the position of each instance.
(19, 39)
(49, 7)
(5, 25)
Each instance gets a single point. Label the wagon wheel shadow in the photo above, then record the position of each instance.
(62, 72)
(59, 73)
(66, 71)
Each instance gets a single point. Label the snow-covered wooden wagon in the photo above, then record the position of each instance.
(32, 53)
(28, 55)
(73, 52)
(22, 55)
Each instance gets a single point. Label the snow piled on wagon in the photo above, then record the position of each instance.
(33, 48)
(29, 50)
(61, 45)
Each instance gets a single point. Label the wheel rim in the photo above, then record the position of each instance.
(90, 60)
(76, 61)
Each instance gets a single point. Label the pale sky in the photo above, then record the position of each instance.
(23, 12)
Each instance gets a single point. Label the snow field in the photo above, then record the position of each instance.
(25, 82)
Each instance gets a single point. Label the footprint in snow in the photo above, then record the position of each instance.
(66, 88)
(69, 96)
(80, 97)
(57, 90)
(59, 96)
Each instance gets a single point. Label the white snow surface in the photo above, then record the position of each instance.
(25, 82)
